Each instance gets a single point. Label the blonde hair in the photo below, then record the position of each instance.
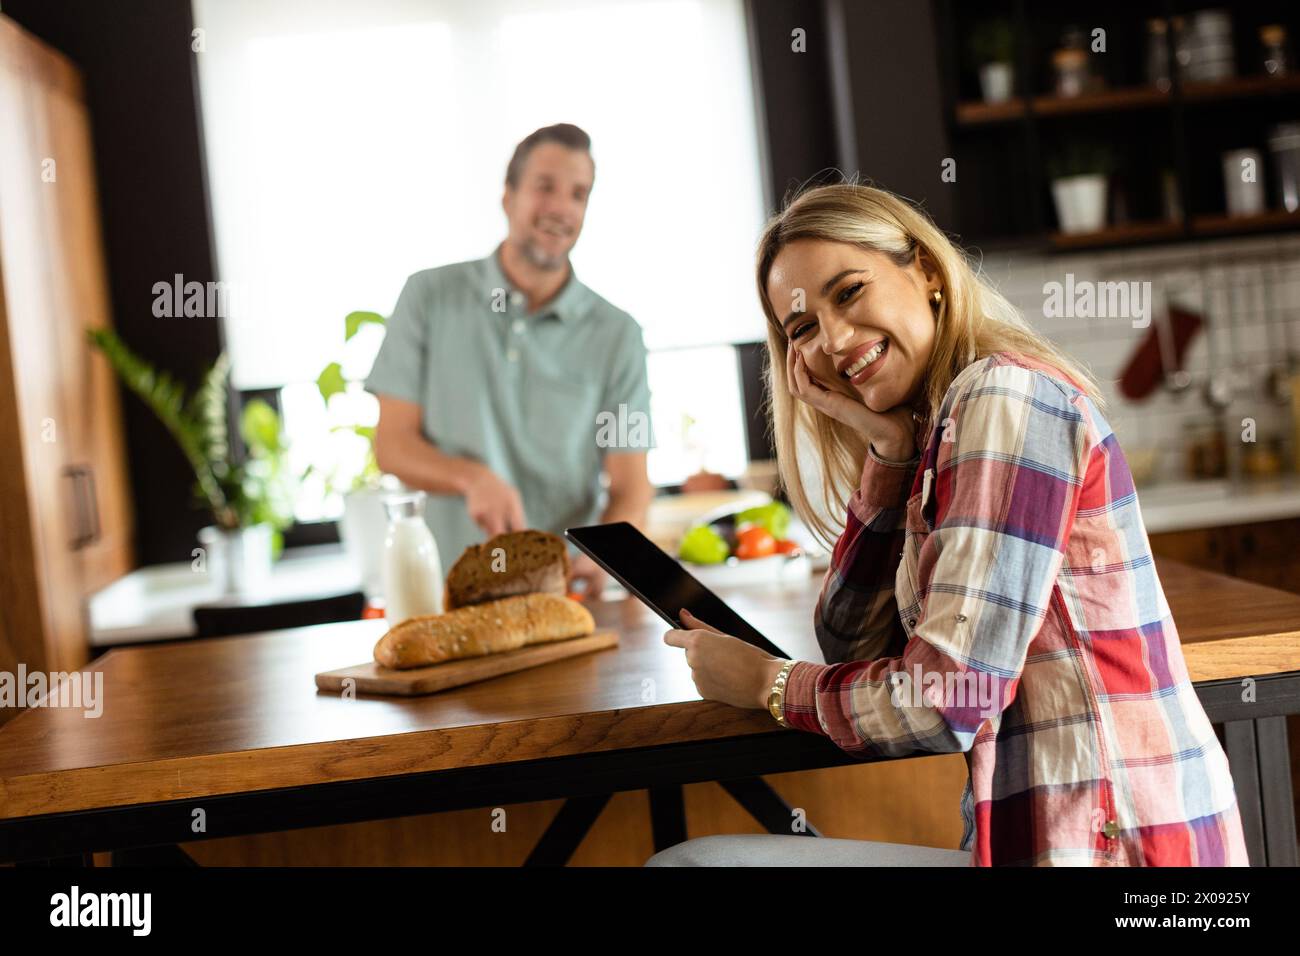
(973, 321)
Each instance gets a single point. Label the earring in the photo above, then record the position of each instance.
(937, 297)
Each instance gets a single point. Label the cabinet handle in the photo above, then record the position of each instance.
(92, 502)
(79, 534)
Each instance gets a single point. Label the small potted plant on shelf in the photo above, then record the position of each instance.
(364, 523)
(1079, 175)
(993, 47)
(251, 499)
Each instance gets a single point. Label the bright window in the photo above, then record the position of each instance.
(350, 145)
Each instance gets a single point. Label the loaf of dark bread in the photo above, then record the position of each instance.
(529, 562)
(488, 628)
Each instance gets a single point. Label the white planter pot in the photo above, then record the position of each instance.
(362, 532)
(239, 560)
(1241, 197)
(1080, 202)
(996, 80)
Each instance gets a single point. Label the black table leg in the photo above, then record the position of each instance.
(766, 806)
(1261, 773)
(1243, 762)
(667, 816)
(1275, 790)
(567, 830)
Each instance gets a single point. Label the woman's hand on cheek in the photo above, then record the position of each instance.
(724, 668)
(893, 429)
(805, 387)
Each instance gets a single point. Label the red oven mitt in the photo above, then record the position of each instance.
(1145, 370)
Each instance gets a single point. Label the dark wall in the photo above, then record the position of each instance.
(796, 115)
(896, 101)
(142, 92)
(873, 63)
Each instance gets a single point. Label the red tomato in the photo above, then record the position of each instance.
(787, 546)
(755, 542)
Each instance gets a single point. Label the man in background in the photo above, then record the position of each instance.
(495, 375)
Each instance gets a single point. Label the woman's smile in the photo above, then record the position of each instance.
(864, 362)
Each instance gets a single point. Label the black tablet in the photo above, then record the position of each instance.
(660, 581)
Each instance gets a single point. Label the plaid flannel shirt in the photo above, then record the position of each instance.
(997, 596)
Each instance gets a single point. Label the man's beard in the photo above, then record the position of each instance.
(539, 259)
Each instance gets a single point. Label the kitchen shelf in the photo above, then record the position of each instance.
(1153, 133)
(978, 113)
(1241, 87)
(1217, 225)
(975, 113)
(1126, 234)
(1102, 101)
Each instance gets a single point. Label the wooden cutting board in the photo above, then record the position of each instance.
(371, 678)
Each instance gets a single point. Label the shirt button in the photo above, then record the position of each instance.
(911, 622)
(1111, 829)
(517, 299)
(512, 355)
(519, 326)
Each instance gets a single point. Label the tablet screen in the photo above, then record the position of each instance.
(660, 582)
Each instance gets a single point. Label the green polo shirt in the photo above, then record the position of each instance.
(539, 398)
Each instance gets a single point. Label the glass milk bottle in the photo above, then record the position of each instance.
(412, 570)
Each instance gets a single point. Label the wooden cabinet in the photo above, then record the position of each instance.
(1263, 552)
(1199, 547)
(65, 516)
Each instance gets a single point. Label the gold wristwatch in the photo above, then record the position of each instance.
(776, 696)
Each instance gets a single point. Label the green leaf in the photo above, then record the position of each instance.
(355, 320)
(209, 410)
(260, 426)
(166, 399)
(331, 381)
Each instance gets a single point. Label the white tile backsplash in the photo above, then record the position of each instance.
(1246, 290)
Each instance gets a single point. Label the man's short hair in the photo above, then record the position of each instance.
(566, 134)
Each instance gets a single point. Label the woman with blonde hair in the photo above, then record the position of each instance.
(992, 591)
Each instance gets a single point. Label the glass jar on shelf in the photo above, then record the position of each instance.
(1206, 449)
(1070, 67)
(1182, 44)
(1157, 66)
(1263, 458)
(1273, 39)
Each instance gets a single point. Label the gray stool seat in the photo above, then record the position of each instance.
(780, 850)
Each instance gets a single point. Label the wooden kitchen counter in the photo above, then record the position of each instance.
(195, 719)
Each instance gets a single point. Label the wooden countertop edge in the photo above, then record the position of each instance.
(335, 761)
(1235, 658)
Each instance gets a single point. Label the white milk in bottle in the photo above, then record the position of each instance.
(412, 570)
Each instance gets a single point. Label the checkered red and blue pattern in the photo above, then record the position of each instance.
(997, 596)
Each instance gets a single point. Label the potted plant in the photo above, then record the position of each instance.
(252, 499)
(364, 523)
(992, 45)
(1079, 176)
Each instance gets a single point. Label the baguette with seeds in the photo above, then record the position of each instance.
(481, 629)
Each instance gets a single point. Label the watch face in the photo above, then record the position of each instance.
(774, 706)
